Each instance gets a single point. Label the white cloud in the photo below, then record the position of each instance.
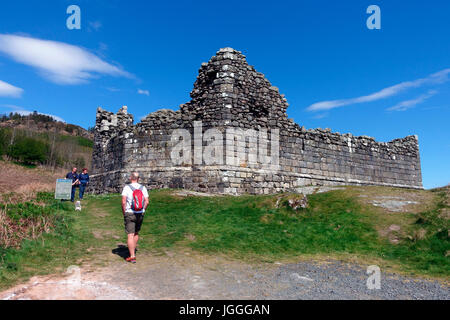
(435, 78)
(407, 104)
(8, 90)
(59, 62)
(22, 111)
(144, 92)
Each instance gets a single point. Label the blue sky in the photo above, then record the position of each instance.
(334, 71)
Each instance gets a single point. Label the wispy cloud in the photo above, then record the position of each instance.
(96, 25)
(8, 90)
(58, 62)
(144, 92)
(24, 112)
(435, 78)
(407, 104)
(112, 89)
(321, 115)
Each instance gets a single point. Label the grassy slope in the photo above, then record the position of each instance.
(337, 224)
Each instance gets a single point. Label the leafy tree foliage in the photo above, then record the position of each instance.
(29, 150)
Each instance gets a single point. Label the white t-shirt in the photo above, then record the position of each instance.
(129, 194)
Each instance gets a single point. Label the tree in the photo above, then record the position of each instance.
(29, 150)
(5, 136)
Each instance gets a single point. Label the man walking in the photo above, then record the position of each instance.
(134, 203)
(75, 182)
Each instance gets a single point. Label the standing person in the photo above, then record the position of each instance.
(134, 203)
(84, 181)
(73, 175)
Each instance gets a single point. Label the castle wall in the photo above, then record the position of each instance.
(313, 157)
(229, 94)
(334, 158)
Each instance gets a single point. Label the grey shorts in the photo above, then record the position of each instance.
(133, 222)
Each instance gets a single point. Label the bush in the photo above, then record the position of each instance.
(29, 150)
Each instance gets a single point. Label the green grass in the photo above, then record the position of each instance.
(50, 252)
(428, 255)
(81, 141)
(242, 226)
(248, 227)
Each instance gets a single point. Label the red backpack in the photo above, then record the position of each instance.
(137, 204)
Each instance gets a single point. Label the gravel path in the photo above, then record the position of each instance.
(189, 275)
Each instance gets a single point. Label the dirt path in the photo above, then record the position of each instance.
(189, 275)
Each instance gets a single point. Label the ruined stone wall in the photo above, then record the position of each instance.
(345, 159)
(229, 94)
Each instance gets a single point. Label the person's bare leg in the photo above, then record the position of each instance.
(131, 245)
(136, 239)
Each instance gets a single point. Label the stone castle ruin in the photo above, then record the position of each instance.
(238, 119)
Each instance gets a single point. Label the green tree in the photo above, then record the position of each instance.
(29, 150)
(5, 137)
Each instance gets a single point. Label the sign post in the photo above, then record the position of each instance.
(63, 190)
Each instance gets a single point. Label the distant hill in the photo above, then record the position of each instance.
(38, 139)
(43, 123)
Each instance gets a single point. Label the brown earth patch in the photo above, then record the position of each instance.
(103, 234)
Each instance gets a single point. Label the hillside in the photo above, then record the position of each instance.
(38, 139)
(37, 122)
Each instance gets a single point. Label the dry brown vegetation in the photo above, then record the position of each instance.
(20, 184)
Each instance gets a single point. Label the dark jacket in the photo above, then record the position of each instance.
(73, 176)
(84, 178)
